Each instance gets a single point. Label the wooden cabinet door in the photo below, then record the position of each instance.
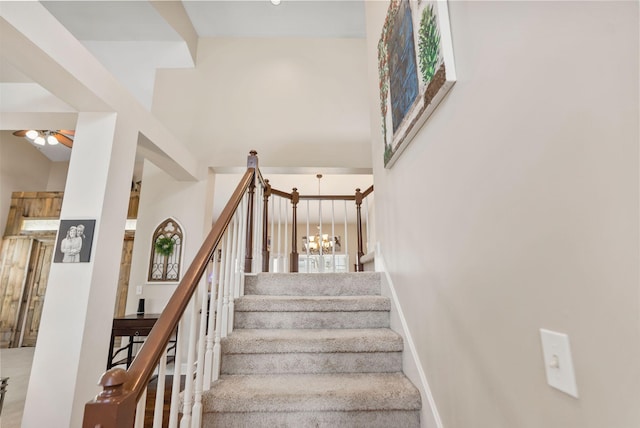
(15, 255)
(36, 287)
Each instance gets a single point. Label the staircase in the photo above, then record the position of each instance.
(312, 350)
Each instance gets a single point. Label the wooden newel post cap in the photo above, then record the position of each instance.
(358, 197)
(112, 382)
(252, 160)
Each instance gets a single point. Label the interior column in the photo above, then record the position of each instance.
(73, 341)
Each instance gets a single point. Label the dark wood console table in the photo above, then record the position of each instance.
(133, 326)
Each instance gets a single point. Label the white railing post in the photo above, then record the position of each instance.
(346, 237)
(159, 404)
(235, 258)
(140, 408)
(174, 410)
(185, 422)
(213, 305)
(243, 235)
(366, 220)
(218, 328)
(197, 406)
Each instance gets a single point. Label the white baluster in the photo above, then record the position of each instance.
(159, 405)
(345, 241)
(218, 327)
(235, 257)
(174, 409)
(333, 234)
(243, 238)
(308, 258)
(273, 236)
(366, 220)
(185, 422)
(279, 232)
(258, 233)
(197, 406)
(140, 408)
(213, 304)
(228, 260)
(286, 240)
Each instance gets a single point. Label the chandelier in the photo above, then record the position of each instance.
(317, 243)
(320, 243)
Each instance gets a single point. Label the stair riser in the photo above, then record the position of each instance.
(311, 304)
(361, 319)
(360, 284)
(369, 419)
(356, 362)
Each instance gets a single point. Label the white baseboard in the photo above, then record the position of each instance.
(429, 416)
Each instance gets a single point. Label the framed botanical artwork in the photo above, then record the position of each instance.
(415, 67)
(75, 238)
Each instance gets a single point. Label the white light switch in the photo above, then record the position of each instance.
(558, 362)
(138, 290)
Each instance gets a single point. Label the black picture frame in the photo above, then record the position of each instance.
(74, 250)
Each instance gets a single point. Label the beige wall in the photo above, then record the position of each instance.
(162, 197)
(298, 102)
(22, 168)
(528, 212)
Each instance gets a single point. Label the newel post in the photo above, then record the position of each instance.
(252, 162)
(295, 198)
(358, 265)
(113, 407)
(265, 227)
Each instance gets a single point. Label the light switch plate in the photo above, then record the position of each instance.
(558, 362)
(139, 290)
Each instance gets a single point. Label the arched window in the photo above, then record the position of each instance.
(166, 252)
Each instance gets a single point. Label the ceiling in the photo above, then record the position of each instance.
(133, 39)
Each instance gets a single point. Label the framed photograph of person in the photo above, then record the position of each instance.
(75, 238)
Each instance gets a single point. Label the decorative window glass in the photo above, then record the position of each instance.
(166, 252)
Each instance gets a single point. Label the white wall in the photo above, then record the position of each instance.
(22, 169)
(527, 201)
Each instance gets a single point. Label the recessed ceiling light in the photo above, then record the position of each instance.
(275, 2)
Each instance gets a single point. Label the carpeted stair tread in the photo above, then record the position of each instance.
(312, 284)
(312, 392)
(261, 303)
(256, 341)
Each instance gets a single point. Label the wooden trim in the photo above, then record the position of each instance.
(329, 197)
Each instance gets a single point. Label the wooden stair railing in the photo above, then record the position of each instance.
(239, 236)
(294, 197)
(115, 406)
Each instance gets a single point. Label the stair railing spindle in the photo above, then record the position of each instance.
(185, 422)
(140, 409)
(228, 261)
(235, 268)
(174, 408)
(219, 316)
(197, 406)
(159, 404)
(213, 305)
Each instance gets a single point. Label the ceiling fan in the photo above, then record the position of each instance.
(42, 137)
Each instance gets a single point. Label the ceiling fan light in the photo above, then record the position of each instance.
(52, 140)
(39, 140)
(32, 134)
